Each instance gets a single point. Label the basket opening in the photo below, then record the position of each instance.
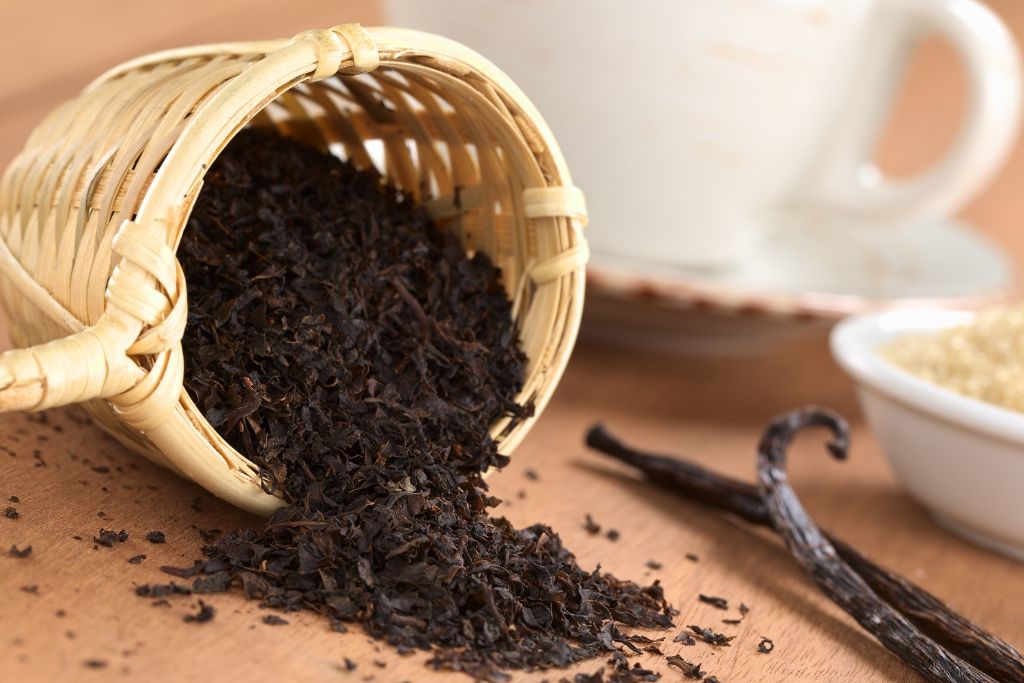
(407, 129)
(454, 155)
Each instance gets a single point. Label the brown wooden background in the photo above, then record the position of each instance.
(83, 607)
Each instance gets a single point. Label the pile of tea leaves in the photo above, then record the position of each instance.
(354, 352)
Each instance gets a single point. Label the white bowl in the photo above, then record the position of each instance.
(961, 457)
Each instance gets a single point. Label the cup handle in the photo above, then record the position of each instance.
(851, 185)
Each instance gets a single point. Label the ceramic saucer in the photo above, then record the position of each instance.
(796, 283)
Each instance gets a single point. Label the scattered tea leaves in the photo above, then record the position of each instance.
(161, 590)
(209, 536)
(107, 537)
(274, 620)
(765, 646)
(711, 637)
(10, 512)
(684, 638)
(136, 559)
(217, 582)
(95, 663)
(617, 670)
(688, 669)
(340, 341)
(184, 572)
(156, 537)
(623, 673)
(714, 601)
(204, 614)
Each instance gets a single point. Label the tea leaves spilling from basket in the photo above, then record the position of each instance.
(388, 524)
(93, 209)
(359, 357)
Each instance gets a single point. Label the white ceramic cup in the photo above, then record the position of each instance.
(696, 126)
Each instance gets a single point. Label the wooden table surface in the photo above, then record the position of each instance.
(69, 603)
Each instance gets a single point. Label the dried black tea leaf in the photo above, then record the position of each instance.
(633, 674)
(20, 554)
(684, 638)
(11, 512)
(274, 620)
(184, 572)
(136, 559)
(711, 637)
(688, 669)
(161, 590)
(714, 601)
(209, 535)
(617, 670)
(204, 614)
(107, 537)
(156, 537)
(765, 646)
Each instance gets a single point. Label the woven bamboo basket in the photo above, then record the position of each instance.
(93, 209)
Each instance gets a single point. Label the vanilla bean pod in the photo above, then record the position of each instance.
(966, 639)
(819, 558)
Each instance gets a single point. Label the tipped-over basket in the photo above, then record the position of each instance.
(92, 211)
